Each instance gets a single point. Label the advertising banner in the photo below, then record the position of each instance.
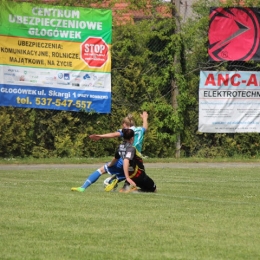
(229, 102)
(234, 34)
(55, 57)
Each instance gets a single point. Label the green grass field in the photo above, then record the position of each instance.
(202, 213)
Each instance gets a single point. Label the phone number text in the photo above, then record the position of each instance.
(55, 102)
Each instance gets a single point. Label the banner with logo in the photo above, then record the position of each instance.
(234, 34)
(229, 102)
(55, 57)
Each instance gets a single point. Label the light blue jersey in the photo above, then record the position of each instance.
(139, 136)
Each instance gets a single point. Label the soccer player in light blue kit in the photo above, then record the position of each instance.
(117, 169)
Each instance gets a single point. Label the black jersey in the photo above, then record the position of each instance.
(136, 167)
(127, 151)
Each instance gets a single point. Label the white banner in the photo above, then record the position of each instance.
(229, 102)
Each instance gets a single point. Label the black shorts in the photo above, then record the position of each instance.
(144, 182)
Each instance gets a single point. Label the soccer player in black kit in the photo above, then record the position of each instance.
(133, 166)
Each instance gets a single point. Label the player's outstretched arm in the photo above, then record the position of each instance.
(144, 116)
(96, 137)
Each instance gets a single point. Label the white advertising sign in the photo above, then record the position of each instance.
(229, 102)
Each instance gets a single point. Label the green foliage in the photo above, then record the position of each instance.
(16, 131)
(145, 76)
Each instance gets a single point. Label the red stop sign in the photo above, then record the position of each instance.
(94, 52)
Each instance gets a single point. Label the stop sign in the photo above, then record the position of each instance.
(94, 52)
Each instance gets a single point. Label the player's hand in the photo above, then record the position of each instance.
(144, 115)
(95, 137)
(131, 182)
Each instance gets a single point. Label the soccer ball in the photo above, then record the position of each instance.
(107, 181)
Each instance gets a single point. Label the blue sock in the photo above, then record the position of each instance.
(91, 179)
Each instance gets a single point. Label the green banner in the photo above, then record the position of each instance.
(55, 57)
(54, 22)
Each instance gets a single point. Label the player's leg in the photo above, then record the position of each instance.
(126, 187)
(118, 174)
(92, 178)
(116, 170)
(145, 183)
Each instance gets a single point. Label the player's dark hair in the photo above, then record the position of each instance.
(128, 134)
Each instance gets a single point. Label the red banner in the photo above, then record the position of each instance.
(234, 34)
